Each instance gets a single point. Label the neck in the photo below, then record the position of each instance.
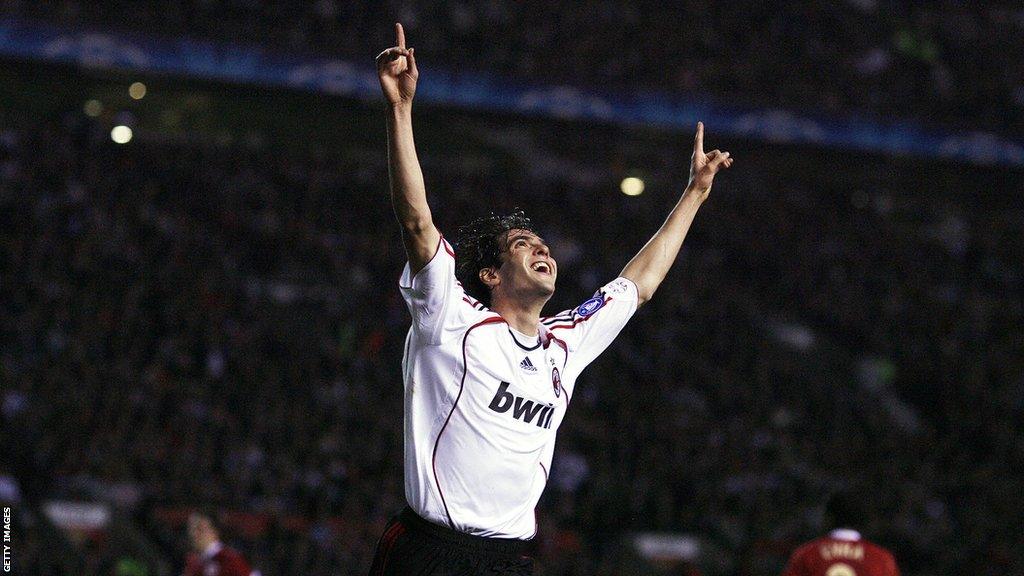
(521, 318)
(205, 544)
(845, 534)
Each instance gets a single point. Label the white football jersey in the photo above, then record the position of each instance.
(483, 402)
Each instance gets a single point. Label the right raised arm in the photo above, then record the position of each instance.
(396, 68)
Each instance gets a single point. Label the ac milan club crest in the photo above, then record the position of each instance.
(556, 381)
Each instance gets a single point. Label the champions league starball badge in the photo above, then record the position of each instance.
(556, 382)
(590, 306)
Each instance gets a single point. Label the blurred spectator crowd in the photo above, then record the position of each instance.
(948, 62)
(192, 324)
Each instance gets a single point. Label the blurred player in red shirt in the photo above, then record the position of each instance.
(209, 556)
(843, 552)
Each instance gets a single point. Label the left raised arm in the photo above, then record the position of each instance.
(650, 265)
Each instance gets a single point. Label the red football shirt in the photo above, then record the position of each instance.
(841, 553)
(217, 560)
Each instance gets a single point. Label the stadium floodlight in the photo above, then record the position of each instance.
(137, 90)
(121, 134)
(92, 108)
(632, 186)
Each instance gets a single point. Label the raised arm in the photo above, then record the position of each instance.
(648, 268)
(396, 68)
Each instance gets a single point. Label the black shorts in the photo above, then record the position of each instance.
(412, 546)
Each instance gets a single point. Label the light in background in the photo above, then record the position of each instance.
(92, 108)
(121, 134)
(137, 90)
(632, 186)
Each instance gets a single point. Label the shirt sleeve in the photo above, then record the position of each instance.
(438, 304)
(192, 566)
(795, 566)
(589, 328)
(235, 565)
(894, 569)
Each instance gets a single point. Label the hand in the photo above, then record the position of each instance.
(396, 68)
(703, 167)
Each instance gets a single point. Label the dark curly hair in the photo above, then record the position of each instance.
(478, 246)
(846, 508)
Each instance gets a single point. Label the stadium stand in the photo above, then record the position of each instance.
(209, 316)
(200, 323)
(948, 62)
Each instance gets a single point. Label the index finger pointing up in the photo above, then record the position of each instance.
(400, 35)
(698, 140)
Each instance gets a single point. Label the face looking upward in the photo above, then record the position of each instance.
(527, 269)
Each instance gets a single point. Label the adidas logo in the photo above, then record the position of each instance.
(527, 365)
